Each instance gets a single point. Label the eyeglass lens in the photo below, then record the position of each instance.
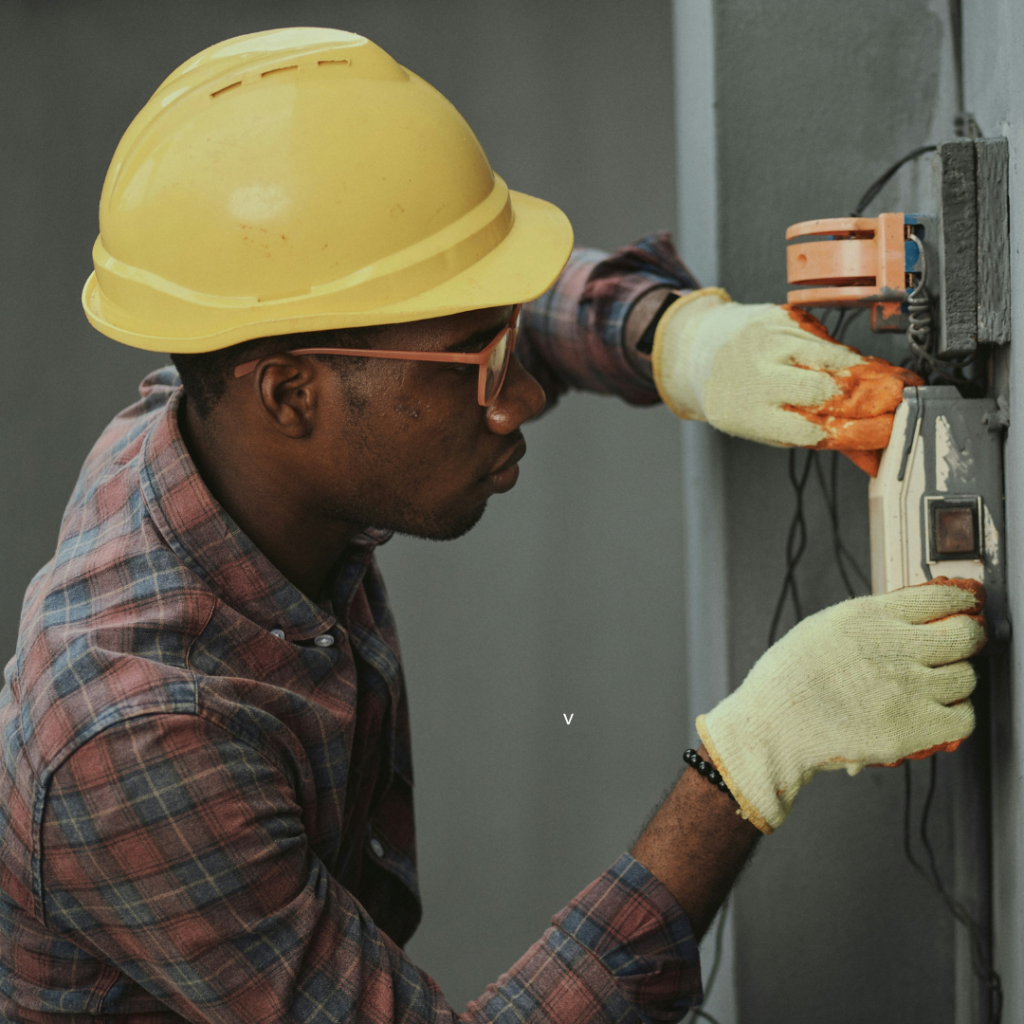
(497, 365)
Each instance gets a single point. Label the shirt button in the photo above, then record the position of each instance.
(378, 850)
(324, 640)
(279, 633)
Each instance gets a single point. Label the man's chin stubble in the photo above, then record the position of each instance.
(413, 523)
(437, 529)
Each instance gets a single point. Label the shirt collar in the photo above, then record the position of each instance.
(207, 539)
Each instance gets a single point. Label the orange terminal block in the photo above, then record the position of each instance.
(861, 263)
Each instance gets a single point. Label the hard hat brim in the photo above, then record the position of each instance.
(521, 267)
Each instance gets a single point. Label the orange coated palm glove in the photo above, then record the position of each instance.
(772, 374)
(874, 680)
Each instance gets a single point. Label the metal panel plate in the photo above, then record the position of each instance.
(993, 173)
(958, 249)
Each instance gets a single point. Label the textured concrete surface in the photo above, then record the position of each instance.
(994, 93)
(814, 100)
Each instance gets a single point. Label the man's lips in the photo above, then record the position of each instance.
(512, 458)
(503, 477)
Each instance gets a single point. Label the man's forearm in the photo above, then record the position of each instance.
(582, 333)
(696, 845)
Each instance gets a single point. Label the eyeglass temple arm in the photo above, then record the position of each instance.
(427, 357)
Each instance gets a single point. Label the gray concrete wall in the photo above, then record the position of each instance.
(708, 624)
(994, 92)
(813, 101)
(568, 597)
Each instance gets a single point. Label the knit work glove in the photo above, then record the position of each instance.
(874, 680)
(772, 374)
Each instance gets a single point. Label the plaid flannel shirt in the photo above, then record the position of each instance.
(205, 777)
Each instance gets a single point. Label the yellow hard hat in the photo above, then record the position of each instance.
(300, 180)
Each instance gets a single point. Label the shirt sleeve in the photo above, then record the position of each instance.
(572, 336)
(175, 852)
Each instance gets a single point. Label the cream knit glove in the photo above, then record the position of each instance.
(772, 374)
(873, 680)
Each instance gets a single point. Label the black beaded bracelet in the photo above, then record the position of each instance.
(705, 769)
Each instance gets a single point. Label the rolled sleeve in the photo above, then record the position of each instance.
(573, 334)
(175, 852)
(621, 950)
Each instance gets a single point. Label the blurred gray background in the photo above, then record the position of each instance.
(566, 599)
(570, 597)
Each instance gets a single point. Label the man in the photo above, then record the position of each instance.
(206, 796)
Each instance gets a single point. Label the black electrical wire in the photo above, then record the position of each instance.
(920, 335)
(830, 490)
(931, 367)
(839, 327)
(880, 182)
(980, 959)
(956, 32)
(844, 321)
(796, 541)
(843, 558)
(963, 123)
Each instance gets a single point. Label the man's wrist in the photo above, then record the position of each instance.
(640, 323)
(696, 845)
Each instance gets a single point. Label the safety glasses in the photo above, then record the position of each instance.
(492, 360)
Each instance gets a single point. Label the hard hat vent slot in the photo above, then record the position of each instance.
(322, 63)
(233, 85)
(274, 71)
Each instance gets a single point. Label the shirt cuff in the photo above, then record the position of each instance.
(622, 947)
(573, 334)
(638, 932)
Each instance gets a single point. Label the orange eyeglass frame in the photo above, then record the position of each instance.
(482, 358)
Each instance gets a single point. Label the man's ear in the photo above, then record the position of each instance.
(287, 389)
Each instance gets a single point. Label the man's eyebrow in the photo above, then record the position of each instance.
(478, 339)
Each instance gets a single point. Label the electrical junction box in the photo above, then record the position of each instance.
(943, 276)
(846, 262)
(961, 245)
(936, 505)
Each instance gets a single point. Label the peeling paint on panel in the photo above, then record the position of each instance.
(950, 461)
(992, 552)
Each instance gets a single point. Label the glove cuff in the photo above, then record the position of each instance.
(762, 787)
(678, 386)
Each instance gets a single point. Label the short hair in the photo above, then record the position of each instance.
(205, 375)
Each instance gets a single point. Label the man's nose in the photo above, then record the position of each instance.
(521, 398)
